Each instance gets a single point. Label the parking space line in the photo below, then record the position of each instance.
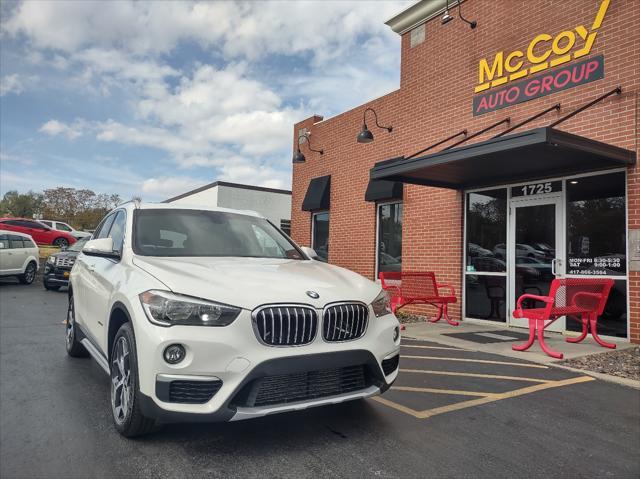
(474, 375)
(434, 347)
(440, 391)
(482, 361)
(427, 413)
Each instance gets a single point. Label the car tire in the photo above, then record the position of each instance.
(75, 349)
(61, 242)
(125, 390)
(29, 274)
(49, 287)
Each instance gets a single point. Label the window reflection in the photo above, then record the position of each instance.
(487, 230)
(596, 239)
(321, 235)
(390, 237)
(485, 297)
(613, 321)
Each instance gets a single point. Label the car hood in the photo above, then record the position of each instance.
(65, 254)
(251, 282)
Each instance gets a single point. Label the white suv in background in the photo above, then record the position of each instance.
(19, 256)
(215, 315)
(60, 226)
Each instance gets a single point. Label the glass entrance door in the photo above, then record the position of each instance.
(536, 254)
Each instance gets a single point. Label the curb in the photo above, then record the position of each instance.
(631, 383)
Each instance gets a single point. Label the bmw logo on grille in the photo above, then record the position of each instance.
(313, 294)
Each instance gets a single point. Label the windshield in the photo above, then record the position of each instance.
(173, 232)
(78, 245)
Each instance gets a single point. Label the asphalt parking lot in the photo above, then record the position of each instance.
(452, 413)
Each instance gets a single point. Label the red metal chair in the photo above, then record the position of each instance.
(418, 288)
(581, 297)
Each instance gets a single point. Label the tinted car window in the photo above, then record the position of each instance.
(48, 223)
(13, 223)
(208, 233)
(63, 227)
(117, 231)
(15, 242)
(4, 242)
(103, 229)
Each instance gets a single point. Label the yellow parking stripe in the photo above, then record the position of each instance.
(482, 400)
(482, 361)
(474, 375)
(498, 397)
(434, 347)
(440, 391)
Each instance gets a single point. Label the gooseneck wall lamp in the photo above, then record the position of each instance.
(298, 157)
(365, 136)
(446, 18)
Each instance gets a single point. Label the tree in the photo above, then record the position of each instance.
(81, 208)
(21, 205)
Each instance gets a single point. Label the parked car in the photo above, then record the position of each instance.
(543, 267)
(521, 250)
(58, 266)
(40, 233)
(61, 226)
(216, 315)
(19, 256)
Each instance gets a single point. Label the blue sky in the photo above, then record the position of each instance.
(151, 99)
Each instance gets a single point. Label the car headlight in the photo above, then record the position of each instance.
(382, 304)
(51, 260)
(168, 309)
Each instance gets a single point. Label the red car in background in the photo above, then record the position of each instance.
(40, 233)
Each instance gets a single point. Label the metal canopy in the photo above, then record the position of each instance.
(383, 190)
(530, 155)
(318, 194)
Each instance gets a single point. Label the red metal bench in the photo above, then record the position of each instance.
(418, 288)
(584, 298)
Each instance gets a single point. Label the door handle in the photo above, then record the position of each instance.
(554, 263)
(91, 267)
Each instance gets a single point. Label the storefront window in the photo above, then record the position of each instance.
(487, 231)
(596, 242)
(486, 268)
(486, 297)
(390, 237)
(596, 234)
(320, 240)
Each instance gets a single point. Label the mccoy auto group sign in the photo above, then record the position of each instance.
(545, 54)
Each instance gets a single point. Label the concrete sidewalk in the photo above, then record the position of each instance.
(497, 338)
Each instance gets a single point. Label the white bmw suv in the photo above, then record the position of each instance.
(212, 314)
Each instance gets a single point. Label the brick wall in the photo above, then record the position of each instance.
(435, 100)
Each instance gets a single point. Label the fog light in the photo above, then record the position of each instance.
(396, 333)
(174, 353)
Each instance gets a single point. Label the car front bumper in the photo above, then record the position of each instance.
(234, 356)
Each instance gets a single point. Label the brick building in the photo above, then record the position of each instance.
(493, 216)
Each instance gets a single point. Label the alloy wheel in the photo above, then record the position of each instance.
(61, 242)
(70, 326)
(30, 273)
(121, 387)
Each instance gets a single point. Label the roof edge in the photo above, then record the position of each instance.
(417, 14)
(229, 185)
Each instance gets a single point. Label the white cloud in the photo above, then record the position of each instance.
(70, 131)
(170, 186)
(271, 64)
(11, 84)
(247, 29)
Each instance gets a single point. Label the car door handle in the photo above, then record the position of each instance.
(91, 267)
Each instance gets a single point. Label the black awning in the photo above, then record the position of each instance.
(530, 155)
(318, 194)
(379, 190)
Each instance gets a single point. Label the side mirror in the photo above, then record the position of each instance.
(310, 252)
(102, 247)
